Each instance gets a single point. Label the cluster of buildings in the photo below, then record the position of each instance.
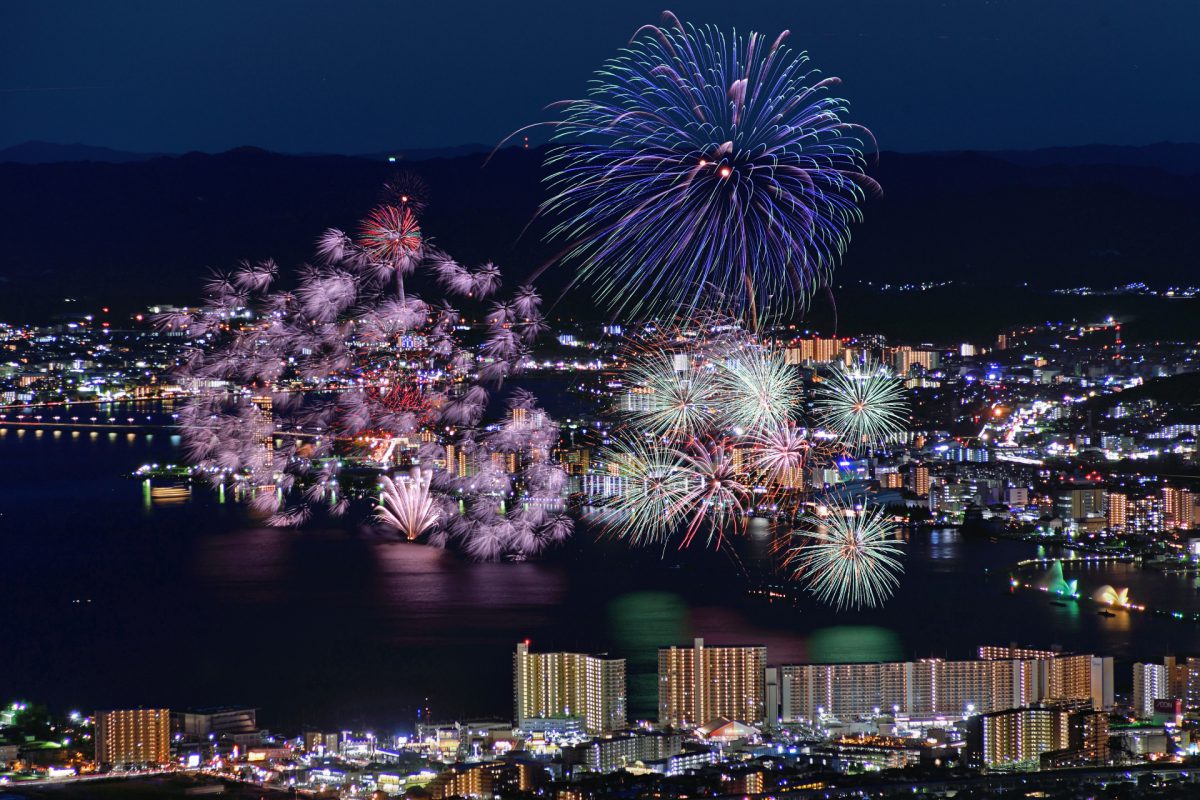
(82, 358)
(727, 717)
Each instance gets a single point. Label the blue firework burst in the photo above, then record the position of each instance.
(702, 165)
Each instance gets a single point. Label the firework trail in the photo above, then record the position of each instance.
(703, 164)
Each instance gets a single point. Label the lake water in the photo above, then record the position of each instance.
(108, 598)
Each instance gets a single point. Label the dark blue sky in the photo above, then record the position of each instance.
(357, 76)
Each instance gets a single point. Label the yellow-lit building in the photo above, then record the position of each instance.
(1116, 512)
(134, 737)
(1023, 734)
(698, 684)
(484, 780)
(557, 689)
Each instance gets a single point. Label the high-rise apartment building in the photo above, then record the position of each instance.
(1080, 678)
(1116, 513)
(220, 721)
(1150, 683)
(934, 687)
(1192, 684)
(134, 737)
(553, 690)
(919, 475)
(1177, 508)
(905, 358)
(1021, 735)
(1060, 735)
(698, 684)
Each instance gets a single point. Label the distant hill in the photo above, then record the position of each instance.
(129, 233)
(50, 153)
(1183, 159)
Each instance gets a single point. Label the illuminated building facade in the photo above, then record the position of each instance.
(991, 651)
(562, 690)
(905, 358)
(1150, 683)
(1116, 513)
(934, 687)
(920, 480)
(133, 737)
(1178, 508)
(698, 684)
(485, 780)
(1021, 735)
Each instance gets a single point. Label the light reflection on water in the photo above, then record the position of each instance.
(329, 623)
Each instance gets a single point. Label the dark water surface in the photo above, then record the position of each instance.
(110, 599)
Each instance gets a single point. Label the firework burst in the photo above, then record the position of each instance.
(781, 452)
(701, 164)
(653, 483)
(863, 404)
(852, 560)
(391, 235)
(758, 389)
(673, 396)
(405, 503)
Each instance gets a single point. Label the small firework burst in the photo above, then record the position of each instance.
(390, 234)
(670, 395)
(863, 404)
(852, 560)
(653, 485)
(405, 503)
(407, 189)
(781, 452)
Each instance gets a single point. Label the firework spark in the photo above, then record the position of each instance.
(780, 453)
(703, 164)
(406, 505)
(853, 559)
(863, 404)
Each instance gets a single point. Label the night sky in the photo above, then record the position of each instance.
(370, 76)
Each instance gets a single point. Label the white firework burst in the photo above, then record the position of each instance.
(405, 503)
(654, 484)
(863, 404)
(853, 558)
(758, 389)
(670, 395)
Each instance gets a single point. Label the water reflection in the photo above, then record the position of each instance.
(943, 544)
(854, 643)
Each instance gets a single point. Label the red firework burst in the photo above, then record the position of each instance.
(390, 233)
(401, 397)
